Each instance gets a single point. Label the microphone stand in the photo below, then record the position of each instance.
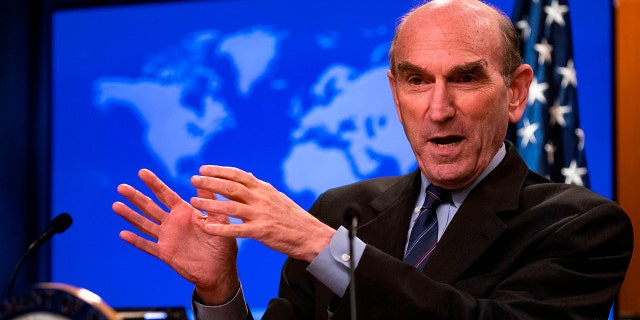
(58, 225)
(352, 266)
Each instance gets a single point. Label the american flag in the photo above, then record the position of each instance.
(549, 136)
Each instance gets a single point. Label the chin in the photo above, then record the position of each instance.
(451, 176)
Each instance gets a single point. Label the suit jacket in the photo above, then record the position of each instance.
(519, 247)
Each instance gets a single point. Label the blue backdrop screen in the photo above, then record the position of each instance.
(294, 92)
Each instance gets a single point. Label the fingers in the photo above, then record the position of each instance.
(214, 217)
(232, 183)
(138, 221)
(167, 196)
(222, 208)
(239, 230)
(142, 202)
(145, 204)
(140, 243)
(228, 189)
(230, 173)
(206, 194)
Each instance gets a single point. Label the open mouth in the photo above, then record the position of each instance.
(447, 140)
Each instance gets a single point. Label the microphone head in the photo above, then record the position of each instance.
(61, 223)
(350, 214)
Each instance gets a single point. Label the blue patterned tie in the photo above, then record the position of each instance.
(424, 234)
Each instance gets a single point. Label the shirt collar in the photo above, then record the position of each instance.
(458, 196)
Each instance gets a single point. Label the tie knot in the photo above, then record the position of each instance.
(435, 196)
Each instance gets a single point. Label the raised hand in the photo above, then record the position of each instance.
(206, 260)
(268, 215)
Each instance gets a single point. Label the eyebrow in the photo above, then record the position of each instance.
(473, 67)
(409, 67)
(478, 67)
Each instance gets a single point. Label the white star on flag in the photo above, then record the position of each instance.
(548, 135)
(555, 13)
(528, 133)
(525, 27)
(557, 113)
(568, 74)
(574, 174)
(544, 51)
(580, 134)
(536, 91)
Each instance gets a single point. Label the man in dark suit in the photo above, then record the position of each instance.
(518, 248)
(507, 244)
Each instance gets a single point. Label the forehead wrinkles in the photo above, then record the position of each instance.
(449, 33)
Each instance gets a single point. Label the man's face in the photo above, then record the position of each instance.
(450, 95)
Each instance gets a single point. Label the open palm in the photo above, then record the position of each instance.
(207, 261)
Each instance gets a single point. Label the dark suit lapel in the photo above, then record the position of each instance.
(477, 224)
(388, 229)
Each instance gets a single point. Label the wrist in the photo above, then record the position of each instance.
(220, 294)
(319, 243)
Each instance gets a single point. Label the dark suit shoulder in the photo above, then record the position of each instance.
(570, 217)
(331, 206)
(369, 189)
(562, 197)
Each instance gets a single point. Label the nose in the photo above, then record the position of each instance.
(441, 106)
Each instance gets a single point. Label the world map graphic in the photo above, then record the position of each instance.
(219, 93)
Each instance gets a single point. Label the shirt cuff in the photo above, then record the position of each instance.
(331, 266)
(235, 309)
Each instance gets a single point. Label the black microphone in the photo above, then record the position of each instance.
(352, 218)
(58, 225)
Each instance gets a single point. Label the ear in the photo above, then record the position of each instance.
(519, 91)
(394, 92)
